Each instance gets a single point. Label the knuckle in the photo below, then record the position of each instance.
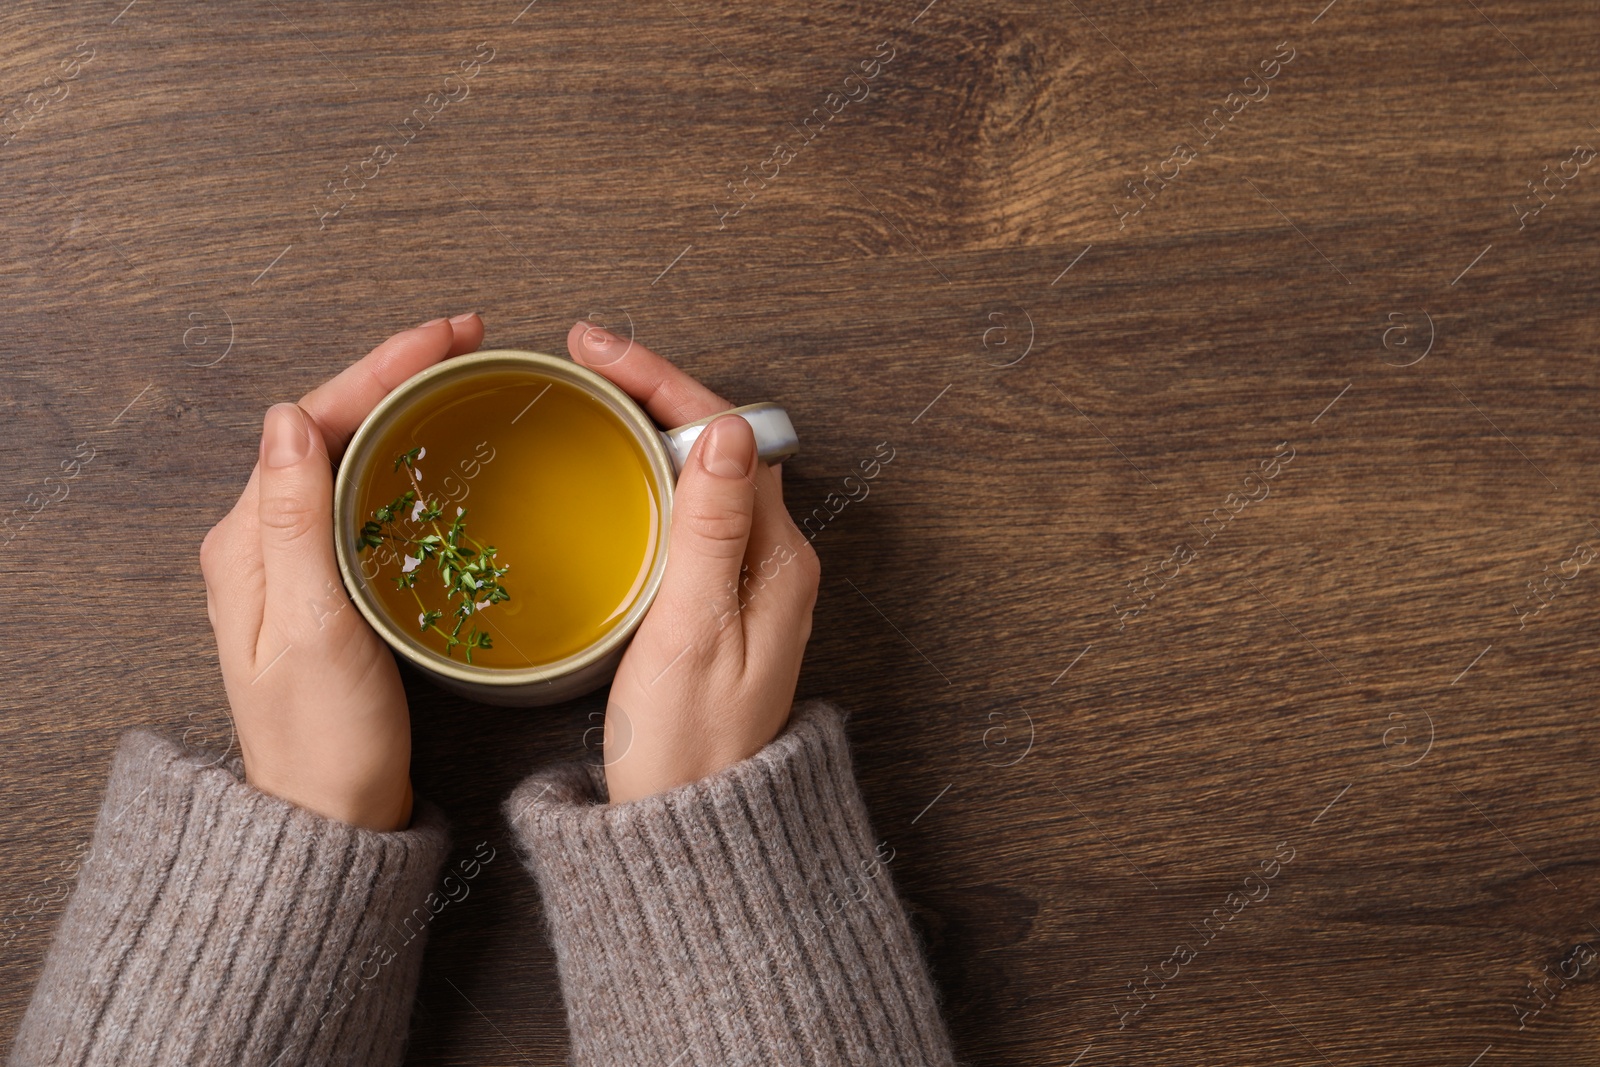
(802, 565)
(290, 516)
(803, 595)
(211, 551)
(809, 563)
(724, 526)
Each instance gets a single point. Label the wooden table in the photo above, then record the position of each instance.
(1221, 628)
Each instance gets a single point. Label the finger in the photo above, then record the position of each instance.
(295, 522)
(339, 404)
(466, 333)
(712, 510)
(670, 396)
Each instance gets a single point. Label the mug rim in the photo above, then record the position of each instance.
(357, 460)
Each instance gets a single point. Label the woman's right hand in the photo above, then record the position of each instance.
(709, 677)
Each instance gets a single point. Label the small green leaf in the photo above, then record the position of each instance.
(471, 579)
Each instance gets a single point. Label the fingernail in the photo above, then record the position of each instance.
(283, 436)
(430, 322)
(456, 320)
(598, 341)
(731, 448)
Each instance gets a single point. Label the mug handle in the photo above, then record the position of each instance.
(776, 440)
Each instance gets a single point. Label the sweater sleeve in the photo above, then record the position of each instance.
(213, 923)
(747, 918)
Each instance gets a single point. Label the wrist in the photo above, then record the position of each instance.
(642, 771)
(382, 809)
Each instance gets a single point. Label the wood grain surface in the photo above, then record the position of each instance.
(1233, 562)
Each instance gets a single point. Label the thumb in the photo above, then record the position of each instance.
(296, 522)
(712, 511)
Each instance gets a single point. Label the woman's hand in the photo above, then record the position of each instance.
(317, 702)
(710, 675)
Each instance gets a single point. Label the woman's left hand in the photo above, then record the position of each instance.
(317, 702)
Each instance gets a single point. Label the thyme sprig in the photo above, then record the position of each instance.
(471, 577)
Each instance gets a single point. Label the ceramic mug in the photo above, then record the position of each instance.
(665, 453)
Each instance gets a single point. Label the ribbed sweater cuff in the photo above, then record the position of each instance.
(213, 923)
(714, 923)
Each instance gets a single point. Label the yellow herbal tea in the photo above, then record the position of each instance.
(549, 476)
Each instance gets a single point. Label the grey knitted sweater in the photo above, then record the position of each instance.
(747, 918)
